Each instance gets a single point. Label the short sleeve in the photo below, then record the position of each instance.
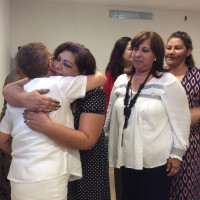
(94, 102)
(73, 87)
(6, 125)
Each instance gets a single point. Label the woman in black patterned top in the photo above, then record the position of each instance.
(95, 181)
(74, 59)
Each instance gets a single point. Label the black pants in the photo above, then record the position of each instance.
(146, 184)
(118, 184)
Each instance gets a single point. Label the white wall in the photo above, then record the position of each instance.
(4, 42)
(55, 22)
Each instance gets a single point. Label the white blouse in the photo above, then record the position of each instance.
(35, 157)
(158, 127)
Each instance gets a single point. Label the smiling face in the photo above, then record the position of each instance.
(64, 64)
(176, 52)
(143, 57)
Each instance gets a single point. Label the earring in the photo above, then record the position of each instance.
(155, 60)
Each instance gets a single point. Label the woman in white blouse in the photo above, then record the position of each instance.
(148, 122)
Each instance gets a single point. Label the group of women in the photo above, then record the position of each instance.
(152, 120)
(153, 100)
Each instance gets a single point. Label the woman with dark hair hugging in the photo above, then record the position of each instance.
(72, 59)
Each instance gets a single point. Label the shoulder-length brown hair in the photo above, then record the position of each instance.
(157, 47)
(84, 60)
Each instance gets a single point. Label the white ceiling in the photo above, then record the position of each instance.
(187, 5)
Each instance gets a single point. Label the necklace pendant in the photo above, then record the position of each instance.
(127, 111)
(153, 94)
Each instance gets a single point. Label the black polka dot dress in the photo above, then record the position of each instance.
(95, 182)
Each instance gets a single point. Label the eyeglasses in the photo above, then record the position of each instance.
(65, 63)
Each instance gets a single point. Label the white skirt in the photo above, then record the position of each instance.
(55, 189)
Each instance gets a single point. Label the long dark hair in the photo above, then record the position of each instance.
(116, 63)
(189, 61)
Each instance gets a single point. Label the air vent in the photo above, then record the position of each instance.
(131, 15)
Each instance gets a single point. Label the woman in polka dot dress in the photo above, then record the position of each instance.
(95, 181)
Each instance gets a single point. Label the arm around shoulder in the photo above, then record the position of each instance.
(95, 81)
(90, 127)
(13, 92)
(15, 96)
